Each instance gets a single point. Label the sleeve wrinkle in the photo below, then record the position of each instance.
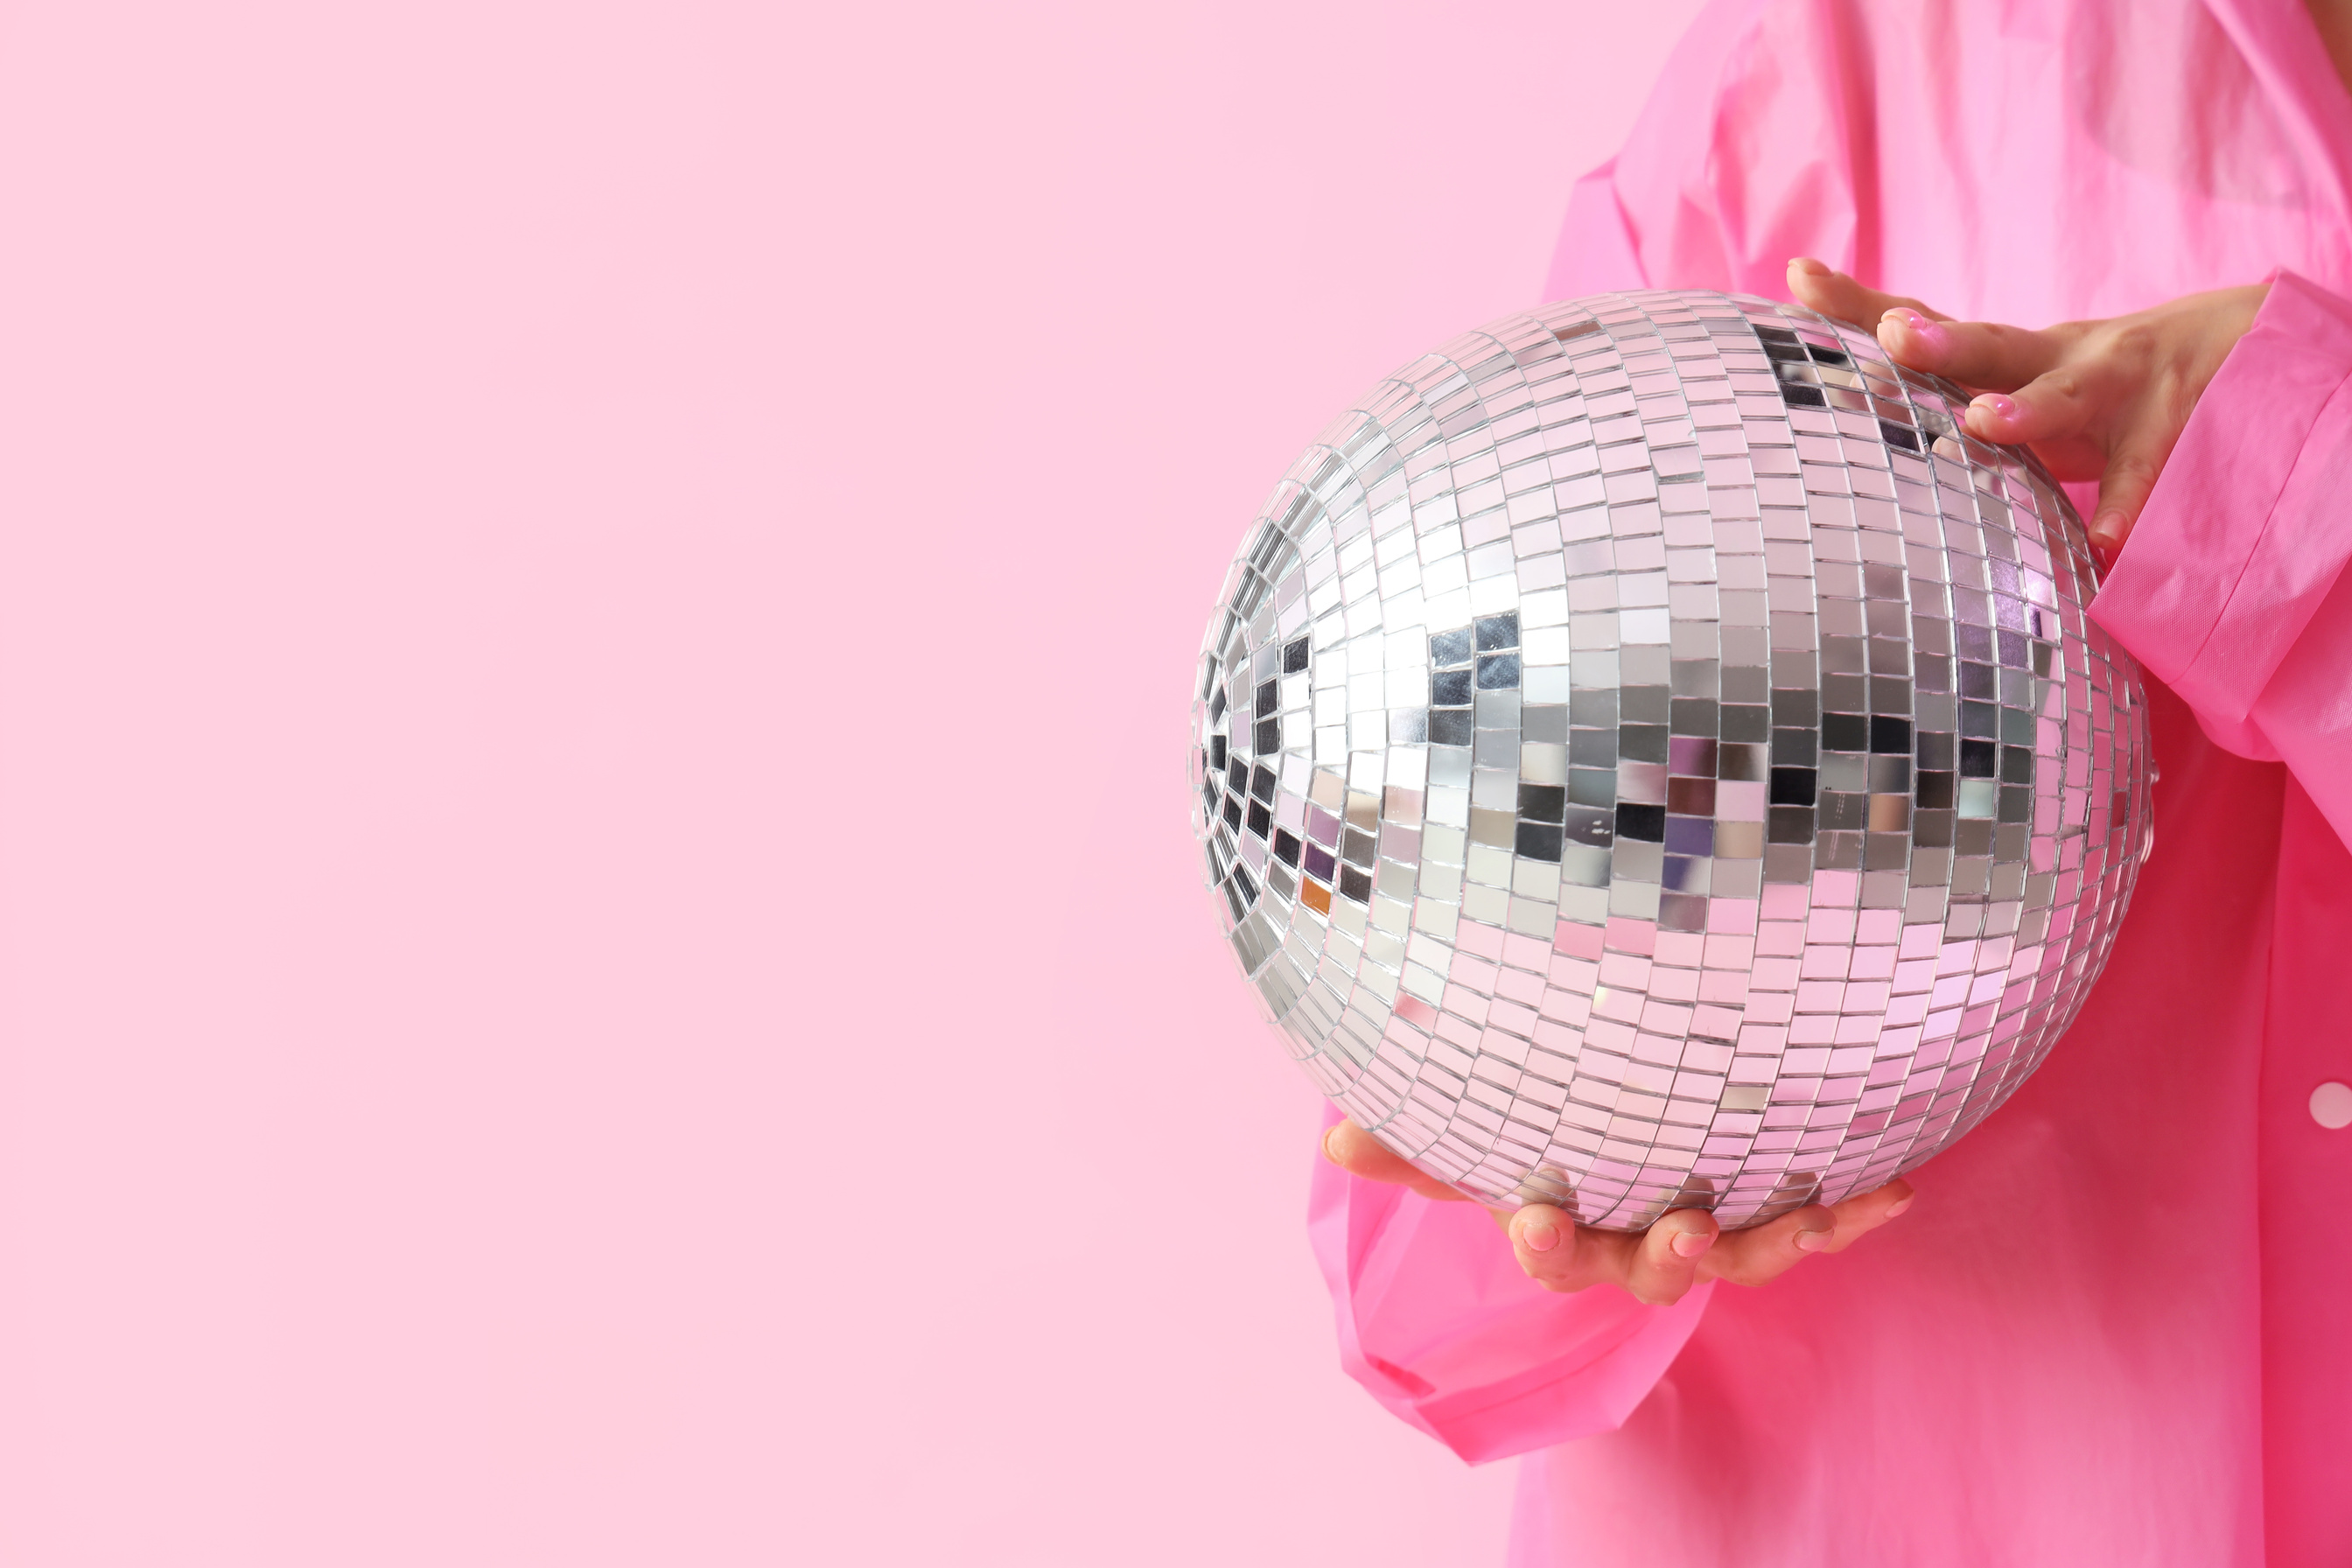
(2233, 589)
(2268, 542)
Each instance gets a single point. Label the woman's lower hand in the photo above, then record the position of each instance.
(1658, 1265)
(2096, 400)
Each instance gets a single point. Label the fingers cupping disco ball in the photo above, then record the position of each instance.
(1647, 757)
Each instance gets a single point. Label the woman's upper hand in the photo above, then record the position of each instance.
(2096, 400)
(1663, 1262)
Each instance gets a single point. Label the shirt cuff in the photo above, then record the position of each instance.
(2223, 570)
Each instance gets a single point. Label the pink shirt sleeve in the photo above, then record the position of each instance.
(2232, 589)
(1438, 1322)
(1693, 202)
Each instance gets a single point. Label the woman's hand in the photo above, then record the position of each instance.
(2096, 400)
(1663, 1262)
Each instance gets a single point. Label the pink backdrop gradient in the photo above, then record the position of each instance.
(600, 960)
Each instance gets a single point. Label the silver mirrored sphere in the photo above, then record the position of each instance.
(1647, 756)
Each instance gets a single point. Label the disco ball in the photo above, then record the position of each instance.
(1647, 756)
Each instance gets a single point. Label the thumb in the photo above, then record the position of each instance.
(1360, 1153)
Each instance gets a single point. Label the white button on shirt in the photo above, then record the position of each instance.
(2331, 1105)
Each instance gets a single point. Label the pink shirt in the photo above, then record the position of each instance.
(2117, 1328)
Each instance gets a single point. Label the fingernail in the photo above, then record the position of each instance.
(1927, 334)
(1691, 1243)
(1995, 406)
(1812, 1240)
(1326, 1142)
(2107, 530)
(1539, 1235)
(1897, 1207)
(1811, 267)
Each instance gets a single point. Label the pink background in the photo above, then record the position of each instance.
(601, 958)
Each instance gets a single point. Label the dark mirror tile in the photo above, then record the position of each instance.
(1644, 824)
(1641, 743)
(1538, 841)
(1845, 732)
(1541, 803)
(1497, 632)
(1795, 747)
